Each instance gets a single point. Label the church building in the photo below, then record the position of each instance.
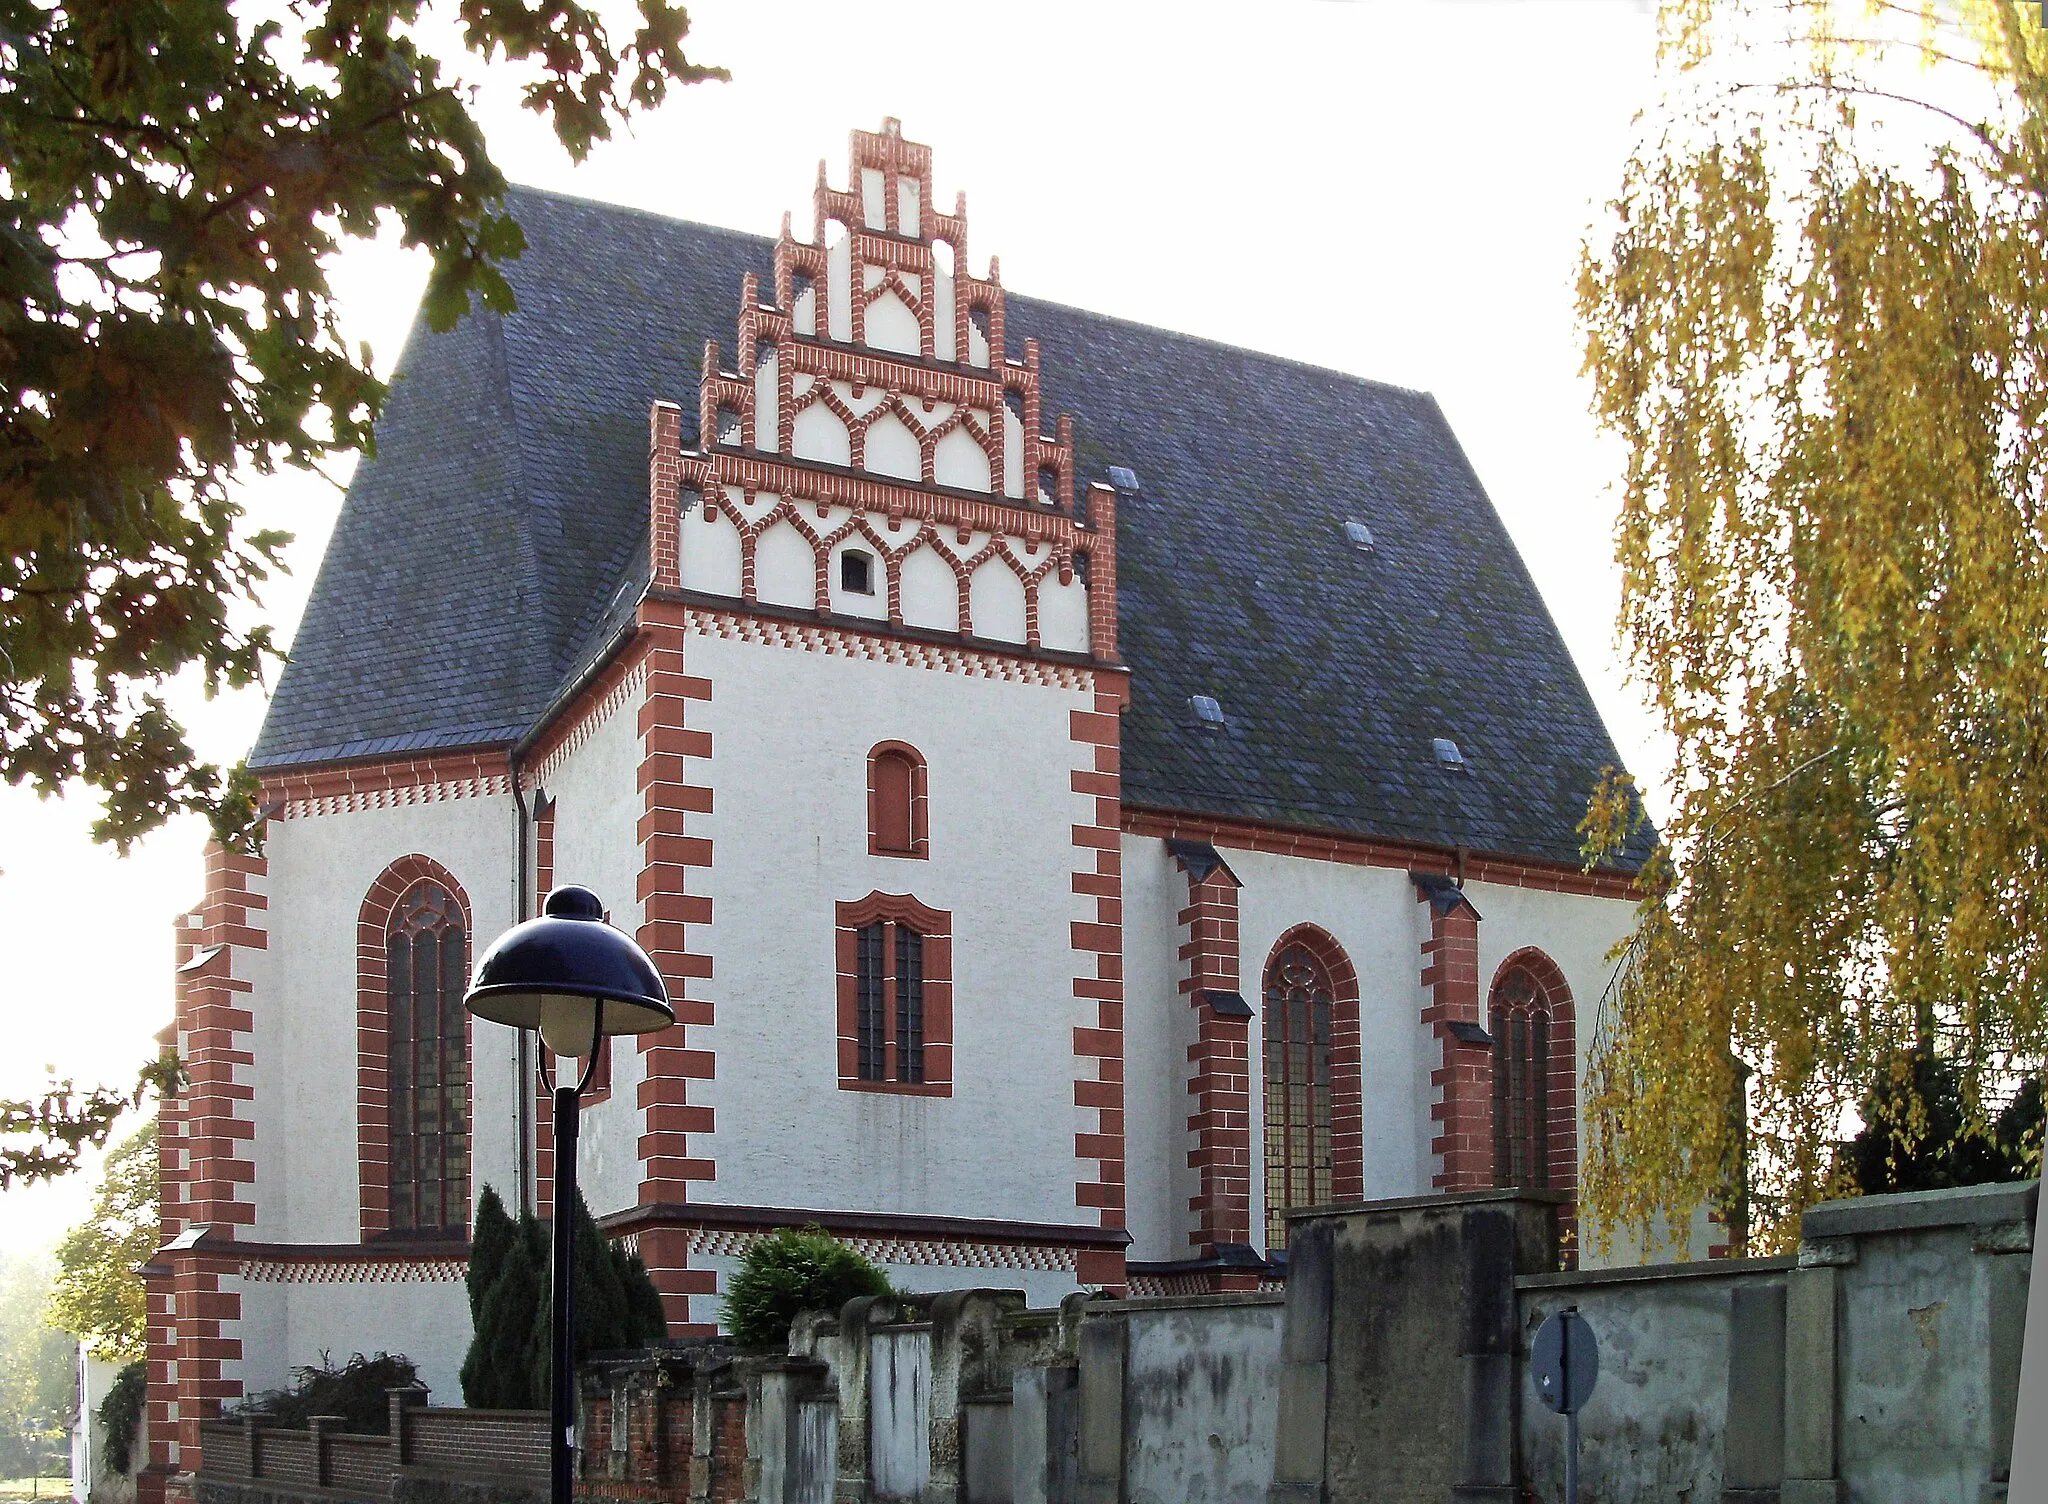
(1090, 791)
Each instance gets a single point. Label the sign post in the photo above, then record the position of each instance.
(1564, 1362)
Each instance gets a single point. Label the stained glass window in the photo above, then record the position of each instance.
(426, 965)
(1298, 1077)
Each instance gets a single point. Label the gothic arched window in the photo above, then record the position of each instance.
(1521, 1080)
(1299, 1085)
(426, 956)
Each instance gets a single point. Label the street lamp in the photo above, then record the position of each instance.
(575, 979)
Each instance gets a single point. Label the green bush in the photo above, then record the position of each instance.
(511, 1315)
(791, 1271)
(1913, 1136)
(355, 1391)
(120, 1412)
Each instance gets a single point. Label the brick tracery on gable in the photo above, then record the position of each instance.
(959, 394)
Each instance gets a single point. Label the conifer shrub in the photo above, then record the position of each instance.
(508, 1362)
(791, 1271)
(355, 1391)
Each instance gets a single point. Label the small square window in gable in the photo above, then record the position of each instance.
(857, 572)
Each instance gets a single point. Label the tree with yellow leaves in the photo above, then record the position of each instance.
(1817, 321)
(99, 1297)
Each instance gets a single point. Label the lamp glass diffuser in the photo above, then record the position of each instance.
(568, 1025)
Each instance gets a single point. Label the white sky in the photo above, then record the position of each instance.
(1394, 188)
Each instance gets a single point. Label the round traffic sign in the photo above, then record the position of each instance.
(1564, 1361)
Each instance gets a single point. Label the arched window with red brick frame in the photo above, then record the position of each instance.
(895, 965)
(1314, 1100)
(896, 801)
(412, 1053)
(1535, 1075)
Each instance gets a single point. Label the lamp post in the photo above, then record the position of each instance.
(574, 978)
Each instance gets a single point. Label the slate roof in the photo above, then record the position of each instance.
(497, 541)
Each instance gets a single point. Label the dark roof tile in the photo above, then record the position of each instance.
(496, 544)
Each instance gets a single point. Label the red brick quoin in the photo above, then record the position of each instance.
(1463, 1112)
(373, 1027)
(1219, 1083)
(1099, 971)
(669, 854)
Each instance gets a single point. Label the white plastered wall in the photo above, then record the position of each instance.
(307, 1186)
(321, 867)
(790, 736)
(597, 810)
(1577, 933)
(1373, 913)
(1157, 1181)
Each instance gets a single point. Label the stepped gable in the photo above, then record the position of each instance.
(497, 543)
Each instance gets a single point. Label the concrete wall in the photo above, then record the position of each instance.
(1201, 1396)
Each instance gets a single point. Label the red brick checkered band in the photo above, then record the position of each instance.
(1204, 1282)
(612, 692)
(941, 1253)
(401, 1271)
(391, 783)
(876, 647)
(1367, 851)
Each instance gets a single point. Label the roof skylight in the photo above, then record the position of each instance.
(1123, 477)
(1449, 754)
(1208, 713)
(1359, 534)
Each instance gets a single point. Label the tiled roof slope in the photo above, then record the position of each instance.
(498, 538)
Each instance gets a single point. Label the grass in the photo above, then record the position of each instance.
(58, 1487)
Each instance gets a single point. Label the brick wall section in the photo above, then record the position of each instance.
(670, 853)
(664, 494)
(729, 1449)
(1102, 572)
(214, 1026)
(160, 1300)
(373, 1026)
(1463, 1078)
(1099, 976)
(1219, 1083)
(206, 1132)
(204, 1314)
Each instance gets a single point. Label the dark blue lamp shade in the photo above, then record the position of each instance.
(571, 976)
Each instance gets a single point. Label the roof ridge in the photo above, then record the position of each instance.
(767, 242)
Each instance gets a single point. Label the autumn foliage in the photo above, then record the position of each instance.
(1816, 324)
